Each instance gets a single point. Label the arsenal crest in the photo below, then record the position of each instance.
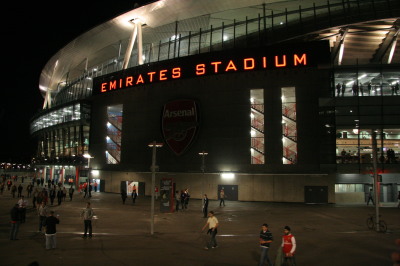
(179, 124)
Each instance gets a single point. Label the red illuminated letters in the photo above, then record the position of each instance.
(176, 72)
(249, 63)
(200, 69)
(210, 67)
(298, 60)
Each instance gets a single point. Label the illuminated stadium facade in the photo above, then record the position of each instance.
(276, 101)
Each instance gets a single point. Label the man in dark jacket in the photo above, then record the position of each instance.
(50, 223)
(265, 240)
(60, 196)
(15, 220)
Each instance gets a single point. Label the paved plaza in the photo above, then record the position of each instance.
(326, 234)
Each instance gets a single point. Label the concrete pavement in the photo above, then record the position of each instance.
(326, 234)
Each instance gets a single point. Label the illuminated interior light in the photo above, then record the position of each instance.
(281, 23)
(253, 133)
(108, 124)
(252, 115)
(350, 83)
(229, 176)
(252, 100)
(362, 76)
(341, 54)
(95, 173)
(225, 38)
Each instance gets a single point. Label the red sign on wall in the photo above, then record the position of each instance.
(179, 124)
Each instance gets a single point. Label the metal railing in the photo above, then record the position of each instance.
(257, 31)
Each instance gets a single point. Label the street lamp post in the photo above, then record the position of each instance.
(87, 156)
(376, 184)
(154, 145)
(203, 154)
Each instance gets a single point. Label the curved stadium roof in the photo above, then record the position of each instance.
(162, 19)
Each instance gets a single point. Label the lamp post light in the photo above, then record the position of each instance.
(87, 156)
(375, 184)
(203, 154)
(154, 145)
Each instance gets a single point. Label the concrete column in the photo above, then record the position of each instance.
(130, 47)
(140, 43)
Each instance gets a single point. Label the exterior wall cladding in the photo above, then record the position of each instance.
(223, 103)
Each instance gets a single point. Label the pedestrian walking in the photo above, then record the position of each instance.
(52, 195)
(50, 223)
(265, 241)
(205, 206)
(22, 203)
(123, 197)
(222, 198)
(34, 197)
(177, 200)
(20, 188)
(87, 215)
(29, 189)
(42, 213)
(64, 193)
(71, 191)
(15, 221)
(288, 246)
(212, 224)
(59, 196)
(85, 189)
(187, 197)
(370, 197)
(183, 199)
(134, 196)
(13, 190)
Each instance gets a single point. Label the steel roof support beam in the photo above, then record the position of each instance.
(389, 43)
(137, 32)
(339, 46)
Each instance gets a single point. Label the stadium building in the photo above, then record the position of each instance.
(280, 101)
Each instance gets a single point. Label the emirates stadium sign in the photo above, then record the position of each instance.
(312, 54)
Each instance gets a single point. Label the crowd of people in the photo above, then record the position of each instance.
(43, 195)
(365, 89)
(43, 199)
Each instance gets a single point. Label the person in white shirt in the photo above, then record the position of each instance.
(22, 202)
(212, 223)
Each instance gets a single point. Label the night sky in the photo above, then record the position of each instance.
(31, 34)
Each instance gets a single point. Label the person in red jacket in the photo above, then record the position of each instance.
(288, 246)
